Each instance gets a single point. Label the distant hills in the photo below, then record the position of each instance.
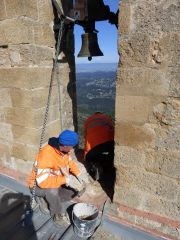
(96, 67)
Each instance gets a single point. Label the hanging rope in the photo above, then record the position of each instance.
(55, 72)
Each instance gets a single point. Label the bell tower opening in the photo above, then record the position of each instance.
(96, 57)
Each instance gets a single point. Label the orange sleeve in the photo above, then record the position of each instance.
(46, 178)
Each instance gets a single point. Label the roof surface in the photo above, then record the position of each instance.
(17, 223)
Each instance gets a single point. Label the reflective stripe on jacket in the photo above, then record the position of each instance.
(52, 166)
(98, 129)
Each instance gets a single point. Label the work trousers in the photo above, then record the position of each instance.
(57, 198)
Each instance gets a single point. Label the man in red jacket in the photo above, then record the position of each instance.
(53, 172)
(99, 144)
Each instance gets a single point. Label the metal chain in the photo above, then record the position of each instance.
(53, 73)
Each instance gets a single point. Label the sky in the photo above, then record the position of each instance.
(107, 39)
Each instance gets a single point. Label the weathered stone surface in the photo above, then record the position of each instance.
(5, 156)
(45, 10)
(135, 50)
(147, 112)
(17, 31)
(165, 162)
(128, 157)
(131, 81)
(5, 132)
(174, 76)
(32, 136)
(154, 17)
(43, 35)
(168, 112)
(23, 166)
(149, 183)
(134, 136)
(5, 98)
(162, 207)
(24, 151)
(4, 57)
(128, 196)
(30, 54)
(26, 77)
(3, 13)
(36, 98)
(137, 109)
(21, 8)
(125, 18)
(28, 117)
(168, 137)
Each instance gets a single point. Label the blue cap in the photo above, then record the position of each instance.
(68, 138)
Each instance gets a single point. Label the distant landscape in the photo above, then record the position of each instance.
(95, 90)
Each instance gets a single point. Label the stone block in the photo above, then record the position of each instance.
(31, 9)
(168, 112)
(129, 197)
(14, 8)
(174, 76)
(149, 183)
(30, 54)
(2, 114)
(131, 81)
(166, 50)
(156, 16)
(45, 11)
(5, 156)
(36, 98)
(128, 157)
(164, 162)
(23, 166)
(168, 137)
(134, 51)
(28, 117)
(3, 13)
(18, 8)
(148, 223)
(24, 151)
(6, 132)
(26, 77)
(124, 18)
(44, 35)
(162, 207)
(4, 57)
(134, 136)
(17, 31)
(137, 109)
(32, 136)
(5, 98)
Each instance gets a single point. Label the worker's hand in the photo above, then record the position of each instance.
(73, 182)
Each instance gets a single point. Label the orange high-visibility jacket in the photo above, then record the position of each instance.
(98, 129)
(51, 166)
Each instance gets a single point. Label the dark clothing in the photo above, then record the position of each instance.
(57, 198)
(99, 159)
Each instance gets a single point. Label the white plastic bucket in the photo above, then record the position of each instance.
(84, 217)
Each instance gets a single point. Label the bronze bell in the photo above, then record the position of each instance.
(90, 47)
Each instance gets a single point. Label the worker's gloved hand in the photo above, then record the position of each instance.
(73, 182)
(80, 179)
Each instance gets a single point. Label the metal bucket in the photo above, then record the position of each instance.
(84, 217)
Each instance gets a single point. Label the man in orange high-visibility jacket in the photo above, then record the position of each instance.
(99, 144)
(54, 184)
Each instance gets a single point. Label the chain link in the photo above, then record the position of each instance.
(54, 72)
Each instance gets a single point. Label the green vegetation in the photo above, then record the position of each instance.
(95, 92)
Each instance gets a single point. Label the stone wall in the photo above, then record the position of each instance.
(27, 46)
(147, 131)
